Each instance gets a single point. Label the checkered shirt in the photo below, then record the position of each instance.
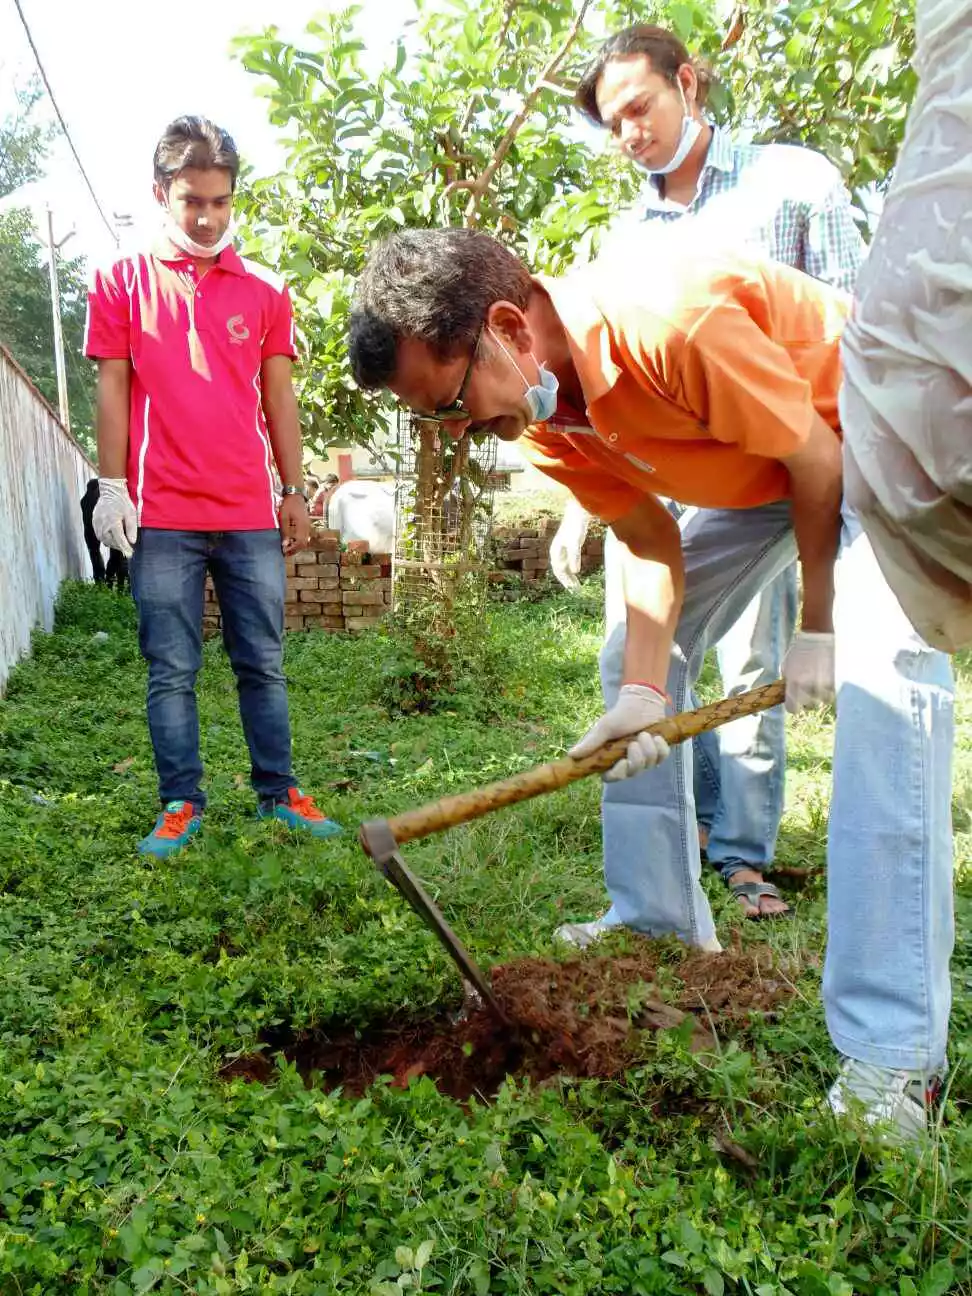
(773, 200)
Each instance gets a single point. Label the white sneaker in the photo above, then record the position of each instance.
(581, 935)
(898, 1100)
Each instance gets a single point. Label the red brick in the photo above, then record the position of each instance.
(328, 568)
(332, 623)
(312, 596)
(361, 623)
(361, 598)
(304, 557)
(328, 582)
(293, 623)
(303, 582)
(333, 609)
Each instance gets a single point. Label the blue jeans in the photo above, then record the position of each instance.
(739, 768)
(168, 573)
(889, 851)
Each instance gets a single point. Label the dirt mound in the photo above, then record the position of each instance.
(589, 1016)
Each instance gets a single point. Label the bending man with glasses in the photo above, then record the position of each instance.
(713, 383)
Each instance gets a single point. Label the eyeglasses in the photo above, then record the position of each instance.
(456, 410)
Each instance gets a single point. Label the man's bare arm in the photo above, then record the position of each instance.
(816, 486)
(114, 388)
(283, 422)
(654, 585)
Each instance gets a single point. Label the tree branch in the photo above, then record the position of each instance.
(482, 183)
(559, 87)
(457, 185)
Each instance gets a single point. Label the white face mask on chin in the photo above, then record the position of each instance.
(177, 235)
(691, 130)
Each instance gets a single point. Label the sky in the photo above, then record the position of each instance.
(121, 69)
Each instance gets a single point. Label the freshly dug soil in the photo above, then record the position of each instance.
(589, 1016)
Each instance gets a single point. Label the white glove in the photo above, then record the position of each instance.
(567, 544)
(637, 707)
(114, 519)
(808, 671)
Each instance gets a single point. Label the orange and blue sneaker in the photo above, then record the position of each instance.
(297, 810)
(174, 828)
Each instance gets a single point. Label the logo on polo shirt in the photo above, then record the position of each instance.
(237, 330)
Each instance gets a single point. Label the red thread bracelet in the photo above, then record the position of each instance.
(654, 688)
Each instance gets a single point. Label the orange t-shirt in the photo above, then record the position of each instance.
(699, 377)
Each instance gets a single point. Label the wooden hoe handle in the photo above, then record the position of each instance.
(454, 810)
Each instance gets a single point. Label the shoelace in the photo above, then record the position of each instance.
(174, 822)
(304, 805)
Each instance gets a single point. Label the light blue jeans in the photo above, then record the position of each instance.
(886, 981)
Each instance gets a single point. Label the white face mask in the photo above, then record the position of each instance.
(541, 398)
(691, 130)
(177, 235)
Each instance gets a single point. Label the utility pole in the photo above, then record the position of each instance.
(62, 393)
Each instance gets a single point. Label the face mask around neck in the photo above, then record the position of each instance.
(691, 130)
(541, 397)
(177, 235)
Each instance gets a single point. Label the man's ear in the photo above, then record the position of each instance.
(690, 85)
(510, 324)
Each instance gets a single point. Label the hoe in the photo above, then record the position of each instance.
(383, 838)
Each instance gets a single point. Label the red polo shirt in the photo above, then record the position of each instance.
(199, 457)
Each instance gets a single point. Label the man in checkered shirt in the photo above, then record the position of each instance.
(778, 201)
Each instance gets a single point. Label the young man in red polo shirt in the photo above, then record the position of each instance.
(713, 383)
(195, 410)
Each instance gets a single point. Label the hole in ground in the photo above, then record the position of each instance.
(589, 1016)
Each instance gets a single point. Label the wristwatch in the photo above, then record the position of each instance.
(294, 490)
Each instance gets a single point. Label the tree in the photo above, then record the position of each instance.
(835, 76)
(23, 143)
(26, 327)
(473, 122)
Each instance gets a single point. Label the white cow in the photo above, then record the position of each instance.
(364, 510)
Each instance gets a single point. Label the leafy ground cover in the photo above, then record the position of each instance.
(145, 1149)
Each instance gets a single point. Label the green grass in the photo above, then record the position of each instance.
(128, 1165)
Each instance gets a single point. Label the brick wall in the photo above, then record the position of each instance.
(333, 589)
(528, 551)
(327, 588)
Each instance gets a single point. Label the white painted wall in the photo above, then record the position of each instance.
(43, 473)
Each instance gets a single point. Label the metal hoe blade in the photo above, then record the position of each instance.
(383, 849)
